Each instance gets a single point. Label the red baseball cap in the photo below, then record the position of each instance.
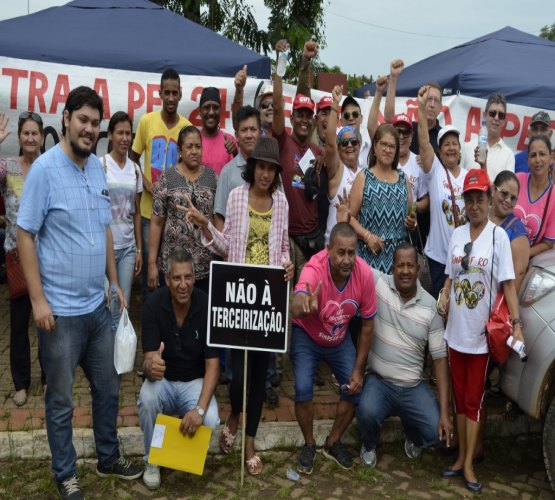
(302, 101)
(402, 119)
(325, 102)
(476, 179)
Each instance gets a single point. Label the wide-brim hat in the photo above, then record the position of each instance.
(266, 149)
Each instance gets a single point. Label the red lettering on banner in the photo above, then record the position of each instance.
(512, 126)
(194, 117)
(224, 113)
(101, 88)
(61, 91)
(38, 85)
(16, 74)
(135, 98)
(473, 122)
(152, 96)
(447, 115)
(523, 141)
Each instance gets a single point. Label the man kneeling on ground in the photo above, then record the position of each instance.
(181, 370)
(406, 322)
(333, 287)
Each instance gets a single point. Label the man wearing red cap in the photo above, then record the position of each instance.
(295, 152)
(323, 109)
(408, 163)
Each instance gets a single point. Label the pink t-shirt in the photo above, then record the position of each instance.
(335, 307)
(531, 213)
(214, 153)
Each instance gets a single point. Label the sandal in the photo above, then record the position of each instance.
(20, 397)
(226, 439)
(254, 465)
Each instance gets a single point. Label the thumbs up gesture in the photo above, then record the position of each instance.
(241, 78)
(154, 365)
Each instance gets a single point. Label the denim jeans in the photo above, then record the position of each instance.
(437, 275)
(171, 398)
(125, 266)
(145, 230)
(306, 354)
(85, 340)
(417, 407)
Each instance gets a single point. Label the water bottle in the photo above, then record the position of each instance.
(282, 63)
(519, 348)
(482, 142)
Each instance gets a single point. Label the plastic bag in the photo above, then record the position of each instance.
(125, 345)
(498, 329)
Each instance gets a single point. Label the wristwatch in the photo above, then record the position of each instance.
(517, 321)
(200, 411)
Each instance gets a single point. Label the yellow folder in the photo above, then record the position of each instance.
(169, 448)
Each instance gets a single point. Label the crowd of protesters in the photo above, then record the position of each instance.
(333, 202)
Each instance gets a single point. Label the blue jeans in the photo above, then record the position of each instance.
(305, 355)
(145, 230)
(417, 407)
(437, 275)
(125, 266)
(85, 340)
(171, 398)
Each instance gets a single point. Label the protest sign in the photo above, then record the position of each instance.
(248, 307)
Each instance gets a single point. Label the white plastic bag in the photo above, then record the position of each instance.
(125, 345)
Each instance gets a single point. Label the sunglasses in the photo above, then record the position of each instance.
(505, 194)
(347, 116)
(29, 114)
(465, 260)
(500, 114)
(403, 132)
(266, 104)
(350, 141)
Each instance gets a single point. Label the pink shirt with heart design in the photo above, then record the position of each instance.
(336, 306)
(531, 212)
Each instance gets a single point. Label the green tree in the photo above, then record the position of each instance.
(296, 20)
(548, 32)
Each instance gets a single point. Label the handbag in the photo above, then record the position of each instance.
(17, 286)
(499, 326)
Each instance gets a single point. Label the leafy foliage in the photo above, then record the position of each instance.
(548, 32)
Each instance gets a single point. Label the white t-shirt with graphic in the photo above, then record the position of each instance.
(123, 183)
(415, 176)
(442, 219)
(469, 305)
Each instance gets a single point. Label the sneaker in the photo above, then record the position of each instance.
(306, 460)
(339, 454)
(412, 451)
(368, 457)
(69, 488)
(122, 468)
(151, 476)
(272, 397)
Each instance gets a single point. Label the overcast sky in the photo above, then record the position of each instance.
(364, 35)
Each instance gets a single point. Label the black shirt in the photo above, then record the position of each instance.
(185, 348)
(415, 147)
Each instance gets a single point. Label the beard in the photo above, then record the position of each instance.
(79, 152)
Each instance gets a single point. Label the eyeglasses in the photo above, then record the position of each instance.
(350, 141)
(505, 194)
(386, 146)
(492, 113)
(266, 104)
(464, 261)
(347, 116)
(404, 132)
(29, 114)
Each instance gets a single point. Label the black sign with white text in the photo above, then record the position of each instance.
(248, 307)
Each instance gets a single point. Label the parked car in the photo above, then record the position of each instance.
(531, 385)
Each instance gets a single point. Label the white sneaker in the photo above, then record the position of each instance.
(368, 457)
(151, 476)
(411, 450)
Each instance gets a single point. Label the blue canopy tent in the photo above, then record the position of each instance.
(517, 64)
(135, 35)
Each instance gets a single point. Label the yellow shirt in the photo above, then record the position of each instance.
(258, 247)
(159, 144)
